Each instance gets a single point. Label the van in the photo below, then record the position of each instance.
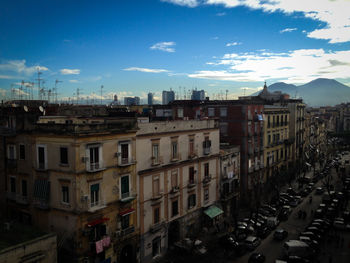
(297, 248)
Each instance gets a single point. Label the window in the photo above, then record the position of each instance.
(124, 153)
(223, 112)
(156, 191)
(206, 145)
(125, 221)
(64, 155)
(11, 152)
(191, 201)
(268, 122)
(206, 194)
(94, 158)
(95, 194)
(175, 207)
(22, 152)
(211, 112)
(13, 185)
(41, 150)
(24, 188)
(174, 179)
(156, 215)
(65, 194)
(180, 113)
(155, 153)
(191, 146)
(206, 170)
(156, 247)
(174, 154)
(223, 128)
(191, 175)
(125, 187)
(268, 139)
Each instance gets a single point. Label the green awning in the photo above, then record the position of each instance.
(213, 211)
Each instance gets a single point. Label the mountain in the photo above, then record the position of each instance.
(318, 92)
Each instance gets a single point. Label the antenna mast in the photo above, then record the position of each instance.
(39, 80)
(55, 89)
(101, 93)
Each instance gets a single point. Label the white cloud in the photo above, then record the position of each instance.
(332, 13)
(233, 44)
(215, 38)
(18, 92)
(188, 3)
(299, 66)
(19, 66)
(7, 77)
(164, 46)
(147, 70)
(66, 71)
(3, 93)
(287, 30)
(74, 81)
(221, 14)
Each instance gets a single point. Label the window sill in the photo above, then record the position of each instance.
(64, 165)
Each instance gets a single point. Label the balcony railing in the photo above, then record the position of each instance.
(125, 161)
(206, 179)
(94, 167)
(176, 157)
(206, 150)
(191, 183)
(157, 196)
(41, 203)
(127, 231)
(21, 199)
(156, 160)
(156, 227)
(193, 155)
(175, 189)
(96, 205)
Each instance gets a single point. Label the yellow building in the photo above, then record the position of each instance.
(76, 176)
(277, 145)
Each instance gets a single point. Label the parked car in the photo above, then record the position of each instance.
(256, 258)
(262, 231)
(283, 215)
(228, 242)
(311, 235)
(252, 242)
(319, 190)
(280, 234)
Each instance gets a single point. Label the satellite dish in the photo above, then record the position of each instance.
(44, 112)
(25, 108)
(41, 108)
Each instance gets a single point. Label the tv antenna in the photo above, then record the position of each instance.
(55, 89)
(101, 93)
(39, 82)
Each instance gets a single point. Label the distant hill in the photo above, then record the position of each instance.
(319, 92)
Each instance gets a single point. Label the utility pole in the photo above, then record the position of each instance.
(101, 93)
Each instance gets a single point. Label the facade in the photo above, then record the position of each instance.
(229, 180)
(178, 180)
(277, 145)
(75, 176)
(42, 248)
(129, 101)
(167, 97)
(198, 95)
(150, 98)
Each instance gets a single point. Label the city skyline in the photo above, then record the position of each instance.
(136, 47)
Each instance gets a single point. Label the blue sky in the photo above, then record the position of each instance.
(132, 47)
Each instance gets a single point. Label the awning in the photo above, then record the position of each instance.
(213, 211)
(127, 212)
(42, 189)
(97, 221)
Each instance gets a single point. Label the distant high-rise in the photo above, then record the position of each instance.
(168, 96)
(198, 95)
(150, 98)
(131, 101)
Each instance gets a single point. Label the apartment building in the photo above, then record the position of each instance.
(75, 176)
(178, 181)
(277, 146)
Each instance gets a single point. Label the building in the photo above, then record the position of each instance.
(150, 98)
(131, 101)
(198, 95)
(168, 96)
(229, 180)
(178, 181)
(75, 176)
(277, 146)
(22, 243)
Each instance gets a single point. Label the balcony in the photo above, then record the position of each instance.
(127, 231)
(11, 195)
(94, 167)
(127, 197)
(175, 157)
(156, 160)
(206, 150)
(21, 199)
(191, 183)
(206, 179)
(126, 161)
(157, 196)
(175, 189)
(251, 169)
(11, 163)
(256, 167)
(97, 205)
(193, 155)
(156, 227)
(41, 203)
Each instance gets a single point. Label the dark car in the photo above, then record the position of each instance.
(256, 258)
(263, 232)
(280, 234)
(228, 242)
(296, 259)
(283, 215)
(319, 190)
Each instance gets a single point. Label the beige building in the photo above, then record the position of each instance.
(76, 176)
(178, 180)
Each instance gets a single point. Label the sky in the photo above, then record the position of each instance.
(132, 47)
